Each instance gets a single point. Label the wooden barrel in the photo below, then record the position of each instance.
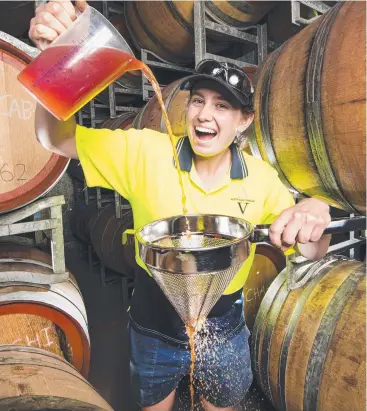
(33, 379)
(124, 121)
(166, 29)
(80, 217)
(27, 170)
(106, 236)
(59, 305)
(75, 170)
(312, 126)
(238, 14)
(309, 344)
(131, 79)
(175, 101)
(268, 263)
(28, 329)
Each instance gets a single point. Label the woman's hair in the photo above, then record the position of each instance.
(241, 139)
(247, 110)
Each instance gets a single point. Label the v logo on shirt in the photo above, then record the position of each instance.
(242, 203)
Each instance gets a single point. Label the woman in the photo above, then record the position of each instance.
(218, 179)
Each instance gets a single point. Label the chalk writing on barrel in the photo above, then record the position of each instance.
(37, 340)
(8, 174)
(254, 293)
(23, 109)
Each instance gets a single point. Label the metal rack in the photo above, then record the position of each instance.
(318, 6)
(146, 58)
(202, 24)
(11, 225)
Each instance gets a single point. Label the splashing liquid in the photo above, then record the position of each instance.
(191, 334)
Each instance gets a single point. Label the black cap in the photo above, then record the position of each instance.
(230, 76)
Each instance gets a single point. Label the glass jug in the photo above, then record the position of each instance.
(78, 65)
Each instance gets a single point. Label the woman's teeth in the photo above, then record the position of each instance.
(204, 133)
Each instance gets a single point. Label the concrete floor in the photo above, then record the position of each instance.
(109, 372)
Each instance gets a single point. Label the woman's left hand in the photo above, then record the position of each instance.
(305, 222)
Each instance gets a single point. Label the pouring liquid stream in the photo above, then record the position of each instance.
(189, 329)
(64, 79)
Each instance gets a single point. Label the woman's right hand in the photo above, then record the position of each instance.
(52, 19)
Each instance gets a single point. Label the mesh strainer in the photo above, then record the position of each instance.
(194, 269)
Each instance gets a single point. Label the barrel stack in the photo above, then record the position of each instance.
(44, 336)
(44, 326)
(311, 104)
(309, 344)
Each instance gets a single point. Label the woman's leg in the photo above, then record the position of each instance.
(156, 369)
(165, 405)
(224, 371)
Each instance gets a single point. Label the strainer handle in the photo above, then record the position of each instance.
(338, 225)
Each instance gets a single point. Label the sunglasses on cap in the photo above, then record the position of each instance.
(233, 76)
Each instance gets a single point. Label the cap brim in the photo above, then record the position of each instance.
(189, 83)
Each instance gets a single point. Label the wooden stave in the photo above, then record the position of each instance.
(272, 262)
(25, 369)
(309, 171)
(30, 330)
(106, 236)
(151, 115)
(56, 165)
(179, 16)
(240, 16)
(147, 37)
(80, 216)
(124, 121)
(340, 56)
(132, 79)
(282, 320)
(75, 170)
(61, 303)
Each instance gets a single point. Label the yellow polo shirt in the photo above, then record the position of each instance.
(139, 165)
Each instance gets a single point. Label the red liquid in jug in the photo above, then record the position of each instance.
(65, 78)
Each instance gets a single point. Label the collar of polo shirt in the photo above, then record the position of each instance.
(186, 154)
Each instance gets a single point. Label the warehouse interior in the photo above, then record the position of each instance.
(60, 225)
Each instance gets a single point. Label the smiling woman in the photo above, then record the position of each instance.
(214, 119)
(218, 111)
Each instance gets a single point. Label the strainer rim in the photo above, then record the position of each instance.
(153, 246)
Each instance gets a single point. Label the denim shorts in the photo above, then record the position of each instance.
(222, 369)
